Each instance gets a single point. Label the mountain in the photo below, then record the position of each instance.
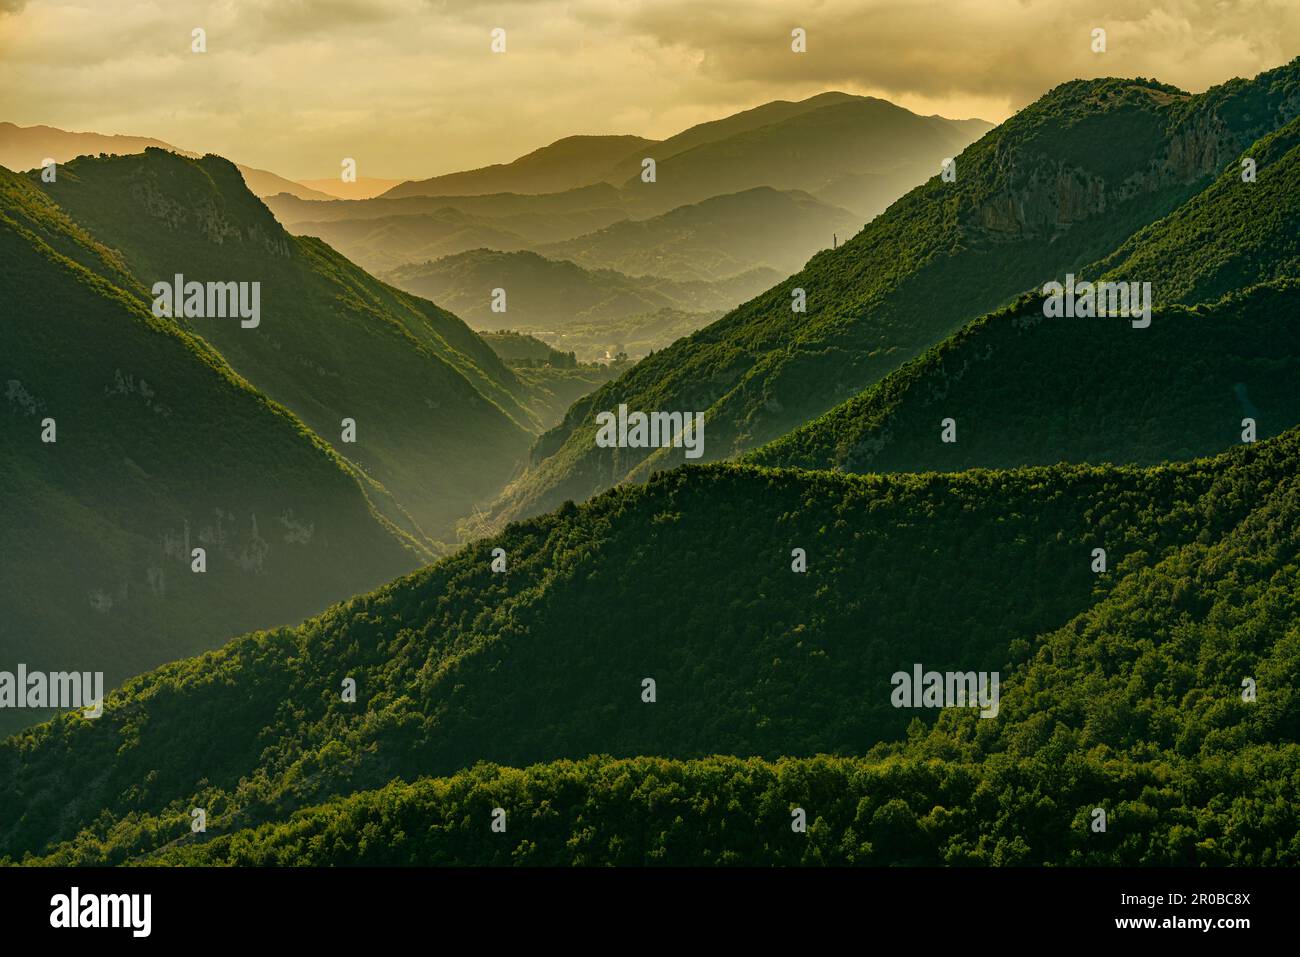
(1174, 390)
(565, 164)
(160, 447)
(363, 187)
(27, 147)
(710, 216)
(712, 131)
(458, 664)
(1231, 235)
(810, 150)
(439, 420)
(1061, 184)
(770, 115)
(548, 294)
(714, 239)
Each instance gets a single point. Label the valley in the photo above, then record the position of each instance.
(373, 521)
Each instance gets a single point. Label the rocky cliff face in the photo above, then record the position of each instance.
(1041, 195)
(207, 215)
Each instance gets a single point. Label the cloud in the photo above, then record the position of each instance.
(411, 88)
(938, 48)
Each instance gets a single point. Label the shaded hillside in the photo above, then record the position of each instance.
(1059, 185)
(687, 580)
(159, 448)
(1232, 235)
(1025, 390)
(440, 421)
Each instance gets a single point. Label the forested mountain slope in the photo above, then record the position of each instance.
(687, 580)
(440, 421)
(1026, 389)
(159, 447)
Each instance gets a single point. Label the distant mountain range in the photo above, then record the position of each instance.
(857, 147)
(715, 238)
(386, 242)
(812, 150)
(548, 294)
(735, 199)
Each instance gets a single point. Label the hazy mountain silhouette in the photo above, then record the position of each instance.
(552, 294)
(26, 147)
(565, 164)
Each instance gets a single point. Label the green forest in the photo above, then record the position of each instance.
(1139, 668)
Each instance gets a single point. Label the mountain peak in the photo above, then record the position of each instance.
(203, 200)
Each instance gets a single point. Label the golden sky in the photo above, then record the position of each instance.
(410, 88)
